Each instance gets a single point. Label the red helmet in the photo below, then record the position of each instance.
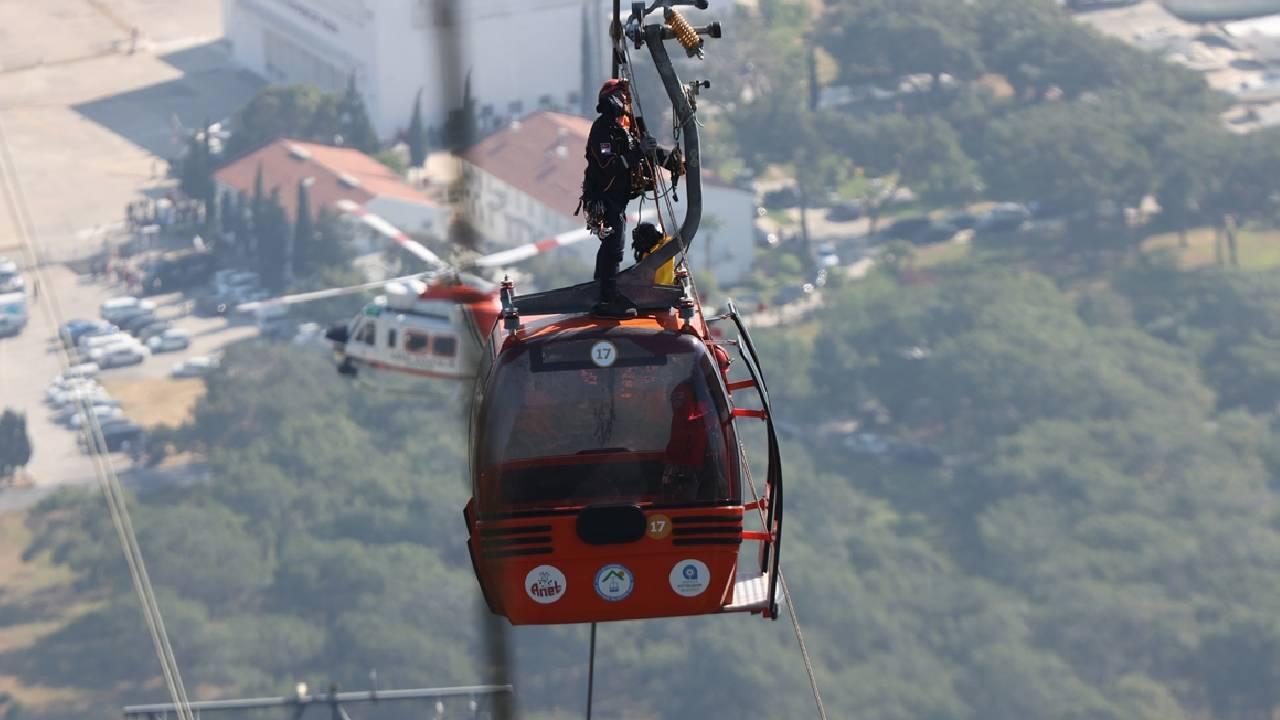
(615, 85)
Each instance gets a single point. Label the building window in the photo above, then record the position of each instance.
(391, 338)
(416, 342)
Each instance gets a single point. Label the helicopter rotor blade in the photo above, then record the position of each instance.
(524, 252)
(392, 233)
(323, 294)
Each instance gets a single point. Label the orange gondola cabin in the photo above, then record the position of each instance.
(607, 474)
(608, 479)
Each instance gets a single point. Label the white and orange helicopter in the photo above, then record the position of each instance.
(428, 325)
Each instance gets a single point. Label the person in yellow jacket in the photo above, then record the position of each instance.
(645, 240)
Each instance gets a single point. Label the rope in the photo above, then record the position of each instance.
(660, 192)
(591, 670)
(16, 201)
(786, 596)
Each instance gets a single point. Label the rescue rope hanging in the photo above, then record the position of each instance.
(791, 606)
(661, 195)
(591, 670)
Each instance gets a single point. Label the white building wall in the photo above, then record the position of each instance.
(522, 55)
(724, 245)
(411, 217)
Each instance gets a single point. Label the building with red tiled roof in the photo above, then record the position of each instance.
(333, 174)
(524, 183)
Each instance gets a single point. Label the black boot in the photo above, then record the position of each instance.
(611, 304)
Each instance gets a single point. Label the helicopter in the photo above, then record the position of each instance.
(609, 481)
(425, 325)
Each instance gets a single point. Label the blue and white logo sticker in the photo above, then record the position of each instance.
(690, 578)
(604, 354)
(614, 582)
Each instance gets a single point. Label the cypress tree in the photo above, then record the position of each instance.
(417, 135)
(353, 120)
(303, 232)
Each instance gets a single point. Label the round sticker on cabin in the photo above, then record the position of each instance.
(614, 582)
(545, 584)
(690, 578)
(604, 354)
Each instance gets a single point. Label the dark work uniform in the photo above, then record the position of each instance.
(612, 153)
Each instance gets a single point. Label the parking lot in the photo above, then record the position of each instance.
(95, 96)
(29, 362)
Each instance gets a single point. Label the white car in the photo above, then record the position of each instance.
(120, 355)
(96, 396)
(88, 344)
(100, 413)
(169, 341)
(226, 282)
(10, 279)
(195, 367)
(117, 310)
(81, 371)
(59, 391)
(65, 413)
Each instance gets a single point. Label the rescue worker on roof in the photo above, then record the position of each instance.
(616, 173)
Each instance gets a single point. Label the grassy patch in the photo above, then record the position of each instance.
(36, 600)
(942, 254)
(1258, 249)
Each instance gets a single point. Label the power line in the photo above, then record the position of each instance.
(109, 482)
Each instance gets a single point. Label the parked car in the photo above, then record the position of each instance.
(211, 303)
(962, 220)
(194, 367)
(135, 324)
(75, 373)
(783, 197)
(116, 435)
(121, 355)
(845, 211)
(906, 228)
(63, 415)
(60, 394)
(72, 335)
(170, 340)
(93, 342)
(98, 413)
(790, 294)
(13, 313)
(827, 256)
(933, 233)
(10, 278)
(117, 310)
(1005, 217)
(235, 278)
(916, 454)
(146, 332)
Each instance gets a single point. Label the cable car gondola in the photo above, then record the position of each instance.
(608, 479)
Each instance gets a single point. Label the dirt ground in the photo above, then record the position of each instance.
(157, 401)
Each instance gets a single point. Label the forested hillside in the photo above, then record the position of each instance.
(1097, 541)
